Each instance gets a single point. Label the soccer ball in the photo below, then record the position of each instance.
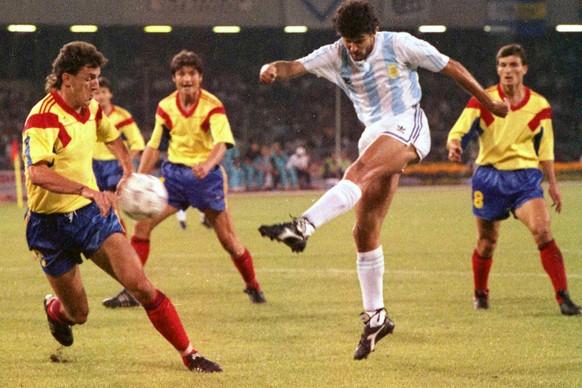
(143, 196)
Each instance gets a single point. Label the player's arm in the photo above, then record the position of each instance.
(553, 190)
(148, 160)
(42, 175)
(215, 157)
(463, 77)
(119, 150)
(281, 70)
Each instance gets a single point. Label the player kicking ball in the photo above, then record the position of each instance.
(378, 72)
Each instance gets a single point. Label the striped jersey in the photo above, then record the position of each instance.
(520, 140)
(125, 124)
(188, 137)
(386, 82)
(55, 133)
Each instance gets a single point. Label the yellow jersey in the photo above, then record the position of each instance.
(130, 133)
(520, 140)
(188, 137)
(65, 139)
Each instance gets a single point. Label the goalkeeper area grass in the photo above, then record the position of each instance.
(306, 334)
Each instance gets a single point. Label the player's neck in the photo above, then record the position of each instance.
(107, 109)
(70, 100)
(514, 93)
(187, 101)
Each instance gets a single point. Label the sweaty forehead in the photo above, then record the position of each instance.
(509, 59)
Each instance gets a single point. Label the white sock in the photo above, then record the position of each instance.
(181, 215)
(370, 267)
(336, 201)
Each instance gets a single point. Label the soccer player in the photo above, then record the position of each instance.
(107, 169)
(68, 216)
(507, 178)
(378, 72)
(192, 126)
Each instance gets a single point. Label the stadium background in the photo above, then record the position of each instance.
(298, 111)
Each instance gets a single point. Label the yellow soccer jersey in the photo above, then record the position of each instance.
(130, 133)
(55, 133)
(520, 140)
(190, 136)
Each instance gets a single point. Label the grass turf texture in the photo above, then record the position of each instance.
(306, 334)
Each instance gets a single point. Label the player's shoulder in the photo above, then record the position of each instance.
(121, 111)
(209, 98)
(169, 100)
(537, 97)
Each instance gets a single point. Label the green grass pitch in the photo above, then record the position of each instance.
(306, 334)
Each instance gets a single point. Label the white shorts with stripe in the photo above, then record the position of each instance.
(410, 127)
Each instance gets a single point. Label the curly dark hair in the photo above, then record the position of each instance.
(73, 57)
(512, 49)
(354, 18)
(186, 58)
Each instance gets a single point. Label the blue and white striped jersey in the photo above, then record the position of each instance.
(386, 82)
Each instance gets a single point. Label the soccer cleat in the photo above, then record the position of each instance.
(183, 225)
(61, 331)
(195, 362)
(371, 335)
(123, 299)
(481, 300)
(256, 296)
(568, 307)
(291, 233)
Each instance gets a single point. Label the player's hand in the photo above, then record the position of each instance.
(100, 199)
(268, 74)
(500, 108)
(556, 196)
(455, 151)
(200, 170)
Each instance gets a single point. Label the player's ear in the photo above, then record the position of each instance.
(525, 69)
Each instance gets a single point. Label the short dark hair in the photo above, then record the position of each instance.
(512, 49)
(354, 18)
(104, 83)
(73, 57)
(186, 58)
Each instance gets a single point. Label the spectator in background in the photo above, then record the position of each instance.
(250, 171)
(301, 163)
(286, 177)
(265, 169)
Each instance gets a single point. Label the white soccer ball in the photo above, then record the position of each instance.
(143, 196)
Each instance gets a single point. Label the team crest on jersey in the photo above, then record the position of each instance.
(392, 70)
(347, 80)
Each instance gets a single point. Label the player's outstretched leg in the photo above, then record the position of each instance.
(376, 328)
(123, 299)
(567, 306)
(60, 330)
(195, 362)
(293, 234)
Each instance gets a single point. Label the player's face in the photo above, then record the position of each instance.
(187, 80)
(103, 97)
(511, 70)
(361, 46)
(82, 86)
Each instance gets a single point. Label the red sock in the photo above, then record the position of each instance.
(142, 247)
(165, 319)
(55, 312)
(481, 268)
(553, 263)
(244, 264)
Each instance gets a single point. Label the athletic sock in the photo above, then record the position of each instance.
(377, 318)
(244, 264)
(553, 264)
(165, 319)
(481, 269)
(370, 266)
(55, 312)
(335, 202)
(142, 247)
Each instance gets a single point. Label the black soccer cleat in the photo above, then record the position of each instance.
(255, 296)
(291, 233)
(371, 335)
(123, 299)
(195, 362)
(183, 225)
(481, 300)
(61, 331)
(568, 307)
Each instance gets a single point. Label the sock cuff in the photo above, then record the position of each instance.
(371, 255)
(351, 189)
(135, 239)
(477, 256)
(156, 301)
(547, 245)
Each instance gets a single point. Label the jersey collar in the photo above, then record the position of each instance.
(522, 103)
(85, 113)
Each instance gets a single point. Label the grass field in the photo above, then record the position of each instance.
(306, 334)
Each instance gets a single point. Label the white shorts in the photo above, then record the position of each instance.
(410, 127)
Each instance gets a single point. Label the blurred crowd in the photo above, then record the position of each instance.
(286, 133)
